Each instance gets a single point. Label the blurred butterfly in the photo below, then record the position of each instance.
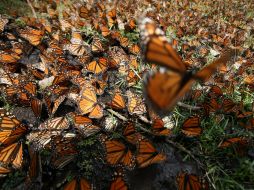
(98, 66)
(78, 184)
(32, 35)
(147, 154)
(165, 89)
(88, 103)
(117, 153)
(191, 182)
(191, 126)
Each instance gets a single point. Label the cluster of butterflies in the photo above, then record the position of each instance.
(47, 63)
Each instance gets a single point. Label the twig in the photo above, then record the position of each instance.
(175, 144)
(117, 114)
(32, 8)
(183, 149)
(188, 106)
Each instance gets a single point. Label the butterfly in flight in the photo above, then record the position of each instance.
(164, 89)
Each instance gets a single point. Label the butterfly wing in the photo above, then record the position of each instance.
(191, 126)
(158, 50)
(147, 154)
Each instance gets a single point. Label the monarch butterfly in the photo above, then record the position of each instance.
(8, 57)
(88, 103)
(133, 62)
(3, 22)
(10, 136)
(98, 66)
(191, 126)
(124, 41)
(4, 171)
(215, 91)
(159, 129)
(104, 31)
(118, 153)
(63, 145)
(30, 87)
(117, 101)
(100, 85)
(130, 25)
(32, 35)
(57, 123)
(112, 18)
(118, 184)
(57, 103)
(135, 104)
(130, 134)
(165, 89)
(84, 125)
(35, 169)
(191, 182)
(97, 45)
(229, 106)
(211, 106)
(229, 142)
(84, 12)
(17, 48)
(7, 120)
(12, 154)
(76, 47)
(243, 114)
(60, 163)
(81, 184)
(147, 154)
(117, 56)
(134, 49)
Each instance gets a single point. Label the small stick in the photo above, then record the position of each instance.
(188, 106)
(117, 114)
(32, 8)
